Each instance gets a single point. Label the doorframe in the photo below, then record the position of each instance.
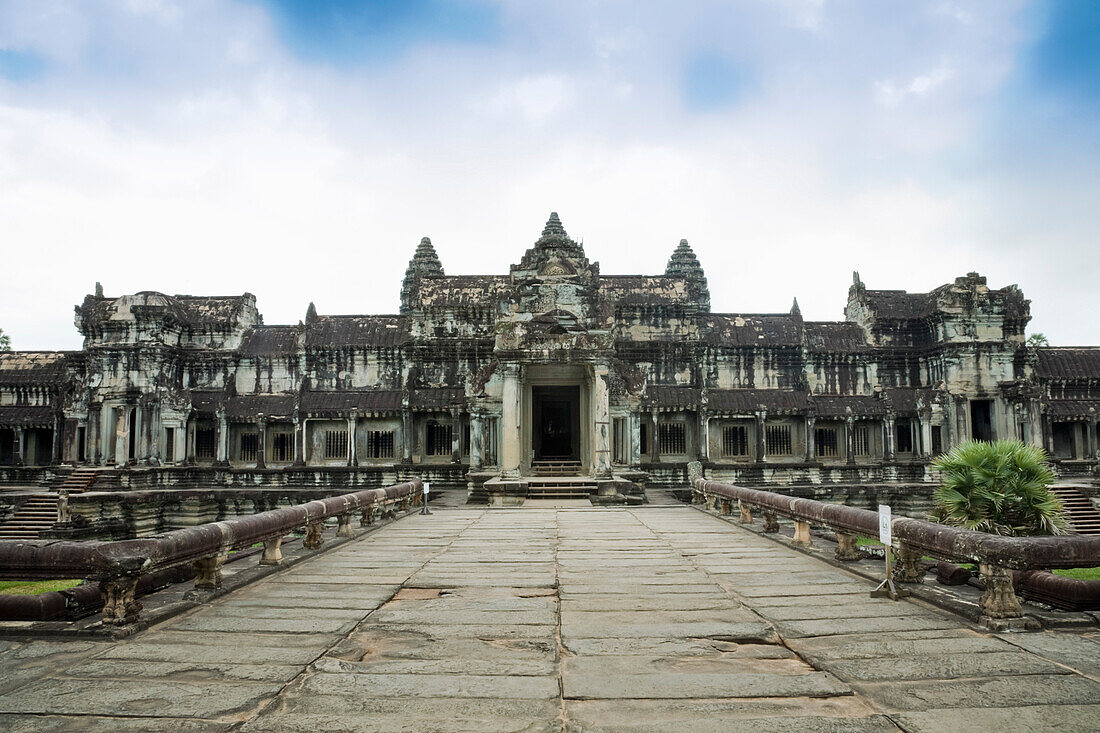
(555, 375)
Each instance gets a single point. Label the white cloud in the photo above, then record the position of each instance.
(891, 94)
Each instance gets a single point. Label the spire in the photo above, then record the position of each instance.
(425, 263)
(554, 243)
(683, 263)
(98, 290)
(795, 310)
(311, 313)
(553, 228)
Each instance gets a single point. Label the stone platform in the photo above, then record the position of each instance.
(548, 619)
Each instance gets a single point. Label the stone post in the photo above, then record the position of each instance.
(314, 536)
(802, 533)
(907, 565)
(343, 525)
(55, 442)
(635, 423)
(208, 571)
(121, 433)
(811, 439)
(771, 522)
(703, 449)
(407, 437)
(261, 439)
(1090, 438)
(850, 439)
(746, 512)
(353, 424)
(654, 439)
(273, 552)
(120, 606)
(925, 420)
(20, 446)
(510, 422)
(92, 445)
(299, 440)
(846, 548)
(999, 599)
(143, 422)
(456, 435)
(366, 518)
(601, 419)
(477, 439)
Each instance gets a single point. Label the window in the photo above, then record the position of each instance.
(379, 444)
(826, 442)
(81, 439)
(904, 430)
(250, 445)
(644, 431)
(439, 439)
(204, 442)
(282, 447)
(937, 440)
(336, 443)
(778, 440)
(671, 438)
(861, 438)
(169, 445)
(466, 439)
(735, 441)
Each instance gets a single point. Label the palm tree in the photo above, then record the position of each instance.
(1001, 487)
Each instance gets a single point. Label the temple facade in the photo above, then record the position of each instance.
(554, 372)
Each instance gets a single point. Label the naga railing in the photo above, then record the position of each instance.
(996, 556)
(118, 565)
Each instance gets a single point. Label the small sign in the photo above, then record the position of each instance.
(884, 535)
(427, 487)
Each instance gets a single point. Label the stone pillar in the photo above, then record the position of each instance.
(850, 439)
(907, 565)
(122, 432)
(208, 571)
(353, 424)
(510, 428)
(635, 456)
(92, 448)
(120, 606)
(20, 446)
(477, 439)
(925, 421)
(299, 440)
(999, 599)
(811, 452)
(601, 419)
(189, 453)
(1090, 438)
(456, 435)
(223, 439)
(771, 522)
(888, 443)
(847, 549)
(273, 552)
(407, 436)
(143, 421)
(55, 442)
(703, 449)
(1048, 435)
(261, 440)
(802, 533)
(654, 438)
(761, 443)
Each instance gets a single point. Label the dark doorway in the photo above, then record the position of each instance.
(981, 420)
(556, 423)
(1065, 442)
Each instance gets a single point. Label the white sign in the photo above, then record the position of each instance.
(884, 525)
(427, 487)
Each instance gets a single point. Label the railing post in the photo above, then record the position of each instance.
(908, 568)
(999, 598)
(802, 533)
(846, 548)
(724, 506)
(314, 538)
(120, 606)
(771, 523)
(367, 517)
(746, 512)
(343, 526)
(208, 571)
(273, 551)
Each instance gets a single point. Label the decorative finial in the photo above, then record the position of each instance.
(553, 227)
(99, 290)
(795, 310)
(311, 313)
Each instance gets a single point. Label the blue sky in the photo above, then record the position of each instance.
(299, 150)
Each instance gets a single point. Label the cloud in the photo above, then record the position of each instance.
(196, 147)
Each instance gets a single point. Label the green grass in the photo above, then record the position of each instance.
(861, 541)
(34, 587)
(1080, 573)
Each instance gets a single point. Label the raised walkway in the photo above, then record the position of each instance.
(652, 619)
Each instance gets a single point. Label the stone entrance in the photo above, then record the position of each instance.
(555, 429)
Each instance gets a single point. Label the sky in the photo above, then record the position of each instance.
(300, 150)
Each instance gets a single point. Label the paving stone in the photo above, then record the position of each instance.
(588, 686)
(198, 671)
(997, 692)
(1032, 718)
(98, 724)
(943, 666)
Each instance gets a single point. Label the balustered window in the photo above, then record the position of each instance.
(861, 437)
(671, 437)
(250, 446)
(440, 439)
(379, 444)
(904, 429)
(282, 447)
(777, 438)
(826, 442)
(735, 441)
(336, 444)
(204, 442)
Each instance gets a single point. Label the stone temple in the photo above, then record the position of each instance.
(551, 380)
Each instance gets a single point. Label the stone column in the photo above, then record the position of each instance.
(20, 446)
(121, 434)
(850, 439)
(407, 436)
(189, 436)
(261, 440)
(811, 444)
(353, 424)
(601, 418)
(456, 435)
(510, 427)
(55, 442)
(477, 439)
(888, 443)
(635, 439)
(143, 447)
(1048, 435)
(223, 439)
(703, 449)
(92, 448)
(1090, 438)
(761, 443)
(654, 438)
(299, 440)
(925, 421)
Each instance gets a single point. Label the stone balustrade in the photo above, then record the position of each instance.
(118, 565)
(996, 556)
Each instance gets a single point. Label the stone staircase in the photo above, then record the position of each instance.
(556, 468)
(77, 482)
(37, 513)
(1082, 515)
(564, 487)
